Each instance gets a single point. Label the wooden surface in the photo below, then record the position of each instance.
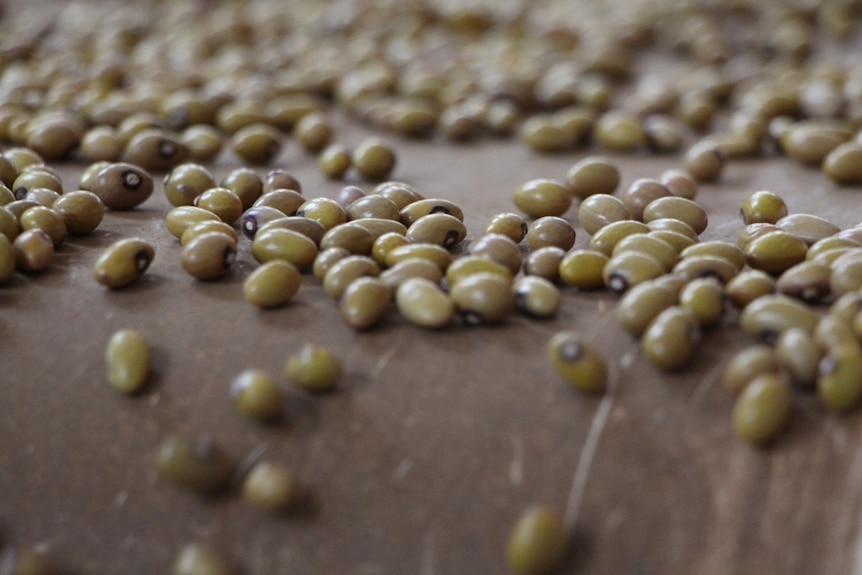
(435, 442)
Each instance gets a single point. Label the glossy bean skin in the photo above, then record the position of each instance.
(313, 369)
(748, 364)
(592, 175)
(537, 543)
(209, 256)
(365, 302)
(33, 250)
(577, 362)
(423, 303)
(839, 379)
(255, 394)
(272, 284)
(122, 186)
(194, 463)
(123, 263)
(671, 339)
(197, 559)
(483, 298)
(543, 197)
(762, 409)
(127, 356)
(270, 487)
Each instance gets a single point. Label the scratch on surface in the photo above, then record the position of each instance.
(383, 362)
(516, 467)
(120, 499)
(427, 562)
(628, 358)
(402, 470)
(705, 383)
(249, 460)
(585, 461)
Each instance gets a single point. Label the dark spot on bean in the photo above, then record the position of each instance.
(813, 293)
(249, 226)
(712, 274)
(617, 283)
(769, 336)
(440, 210)
(131, 180)
(229, 256)
(520, 299)
(471, 318)
(451, 239)
(142, 261)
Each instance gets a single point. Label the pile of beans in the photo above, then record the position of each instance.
(137, 98)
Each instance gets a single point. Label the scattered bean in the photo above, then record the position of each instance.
(128, 359)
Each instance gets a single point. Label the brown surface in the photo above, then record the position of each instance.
(435, 442)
